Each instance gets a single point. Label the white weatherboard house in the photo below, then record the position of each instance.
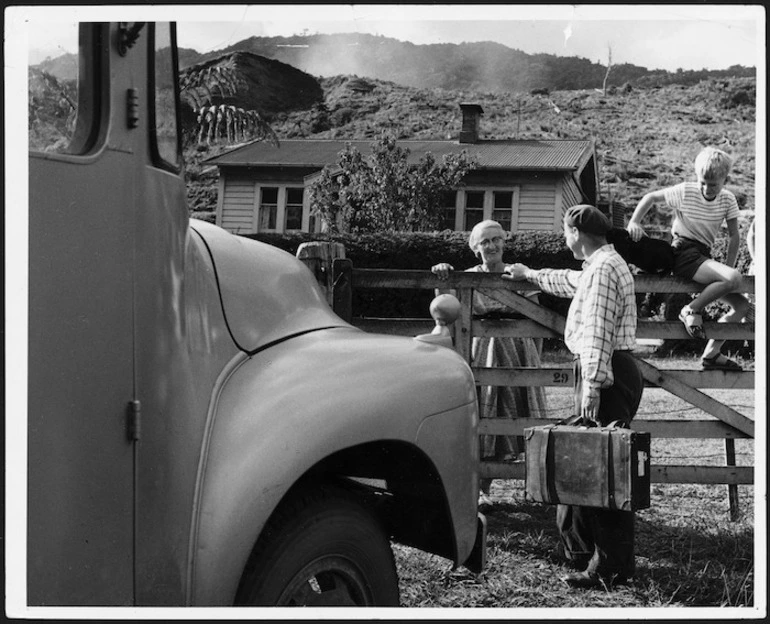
(525, 185)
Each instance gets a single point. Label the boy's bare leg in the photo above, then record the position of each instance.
(721, 280)
(723, 283)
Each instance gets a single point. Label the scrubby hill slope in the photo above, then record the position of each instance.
(480, 66)
(645, 138)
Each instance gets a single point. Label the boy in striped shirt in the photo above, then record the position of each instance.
(700, 208)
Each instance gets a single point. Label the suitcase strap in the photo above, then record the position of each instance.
(547, 486)
(608, 473)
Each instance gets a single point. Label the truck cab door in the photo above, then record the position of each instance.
(82, 173)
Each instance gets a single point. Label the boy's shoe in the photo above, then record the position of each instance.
(720, 362)
(588, 580)
(693, 323)
(582, 580)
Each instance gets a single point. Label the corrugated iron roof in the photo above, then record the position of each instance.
(504, 154)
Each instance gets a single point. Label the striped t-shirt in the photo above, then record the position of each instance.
(694, 216)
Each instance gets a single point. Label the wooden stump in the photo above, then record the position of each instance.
(319, 256)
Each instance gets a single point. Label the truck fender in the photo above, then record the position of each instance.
(278, 413)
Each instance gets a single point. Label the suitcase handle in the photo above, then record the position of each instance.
(577, 421)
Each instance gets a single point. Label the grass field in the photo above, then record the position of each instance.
(688, 551)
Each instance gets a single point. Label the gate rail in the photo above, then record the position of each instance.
(726, 423)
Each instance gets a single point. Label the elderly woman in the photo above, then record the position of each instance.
(487, 241)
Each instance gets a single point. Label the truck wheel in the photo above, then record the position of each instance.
(322, 549)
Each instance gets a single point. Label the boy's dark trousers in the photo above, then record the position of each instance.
(601, 541)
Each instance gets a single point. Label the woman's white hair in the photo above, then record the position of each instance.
(473, 239)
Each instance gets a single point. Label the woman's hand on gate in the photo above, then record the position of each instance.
(442, 270)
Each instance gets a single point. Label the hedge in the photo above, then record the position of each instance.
(421, 250)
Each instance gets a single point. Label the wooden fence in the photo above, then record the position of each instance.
(723, 422)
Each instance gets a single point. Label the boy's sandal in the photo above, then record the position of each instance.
(720, 362)
(693, 323)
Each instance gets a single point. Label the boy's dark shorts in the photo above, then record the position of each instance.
(688, 256)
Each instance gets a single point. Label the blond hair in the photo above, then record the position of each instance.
(473, 239)
(713, 163)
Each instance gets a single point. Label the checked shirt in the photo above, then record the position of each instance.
(602, 315)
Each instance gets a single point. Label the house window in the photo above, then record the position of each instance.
(294, 208)
(268, 208)
(474, 208)
(448, 210)
(502, 208)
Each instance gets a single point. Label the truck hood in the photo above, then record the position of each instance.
(267, 294)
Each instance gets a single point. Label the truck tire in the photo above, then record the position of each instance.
(321, 549)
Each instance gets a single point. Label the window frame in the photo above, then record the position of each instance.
(261, 204)
(301, 206)
(488, 204)
(93, 95)
(157, 159)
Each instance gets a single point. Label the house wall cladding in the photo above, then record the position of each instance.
(571, 196)
(540, 201)
(536, 206)
(238, 203)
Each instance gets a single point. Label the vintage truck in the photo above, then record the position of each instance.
(203, 430)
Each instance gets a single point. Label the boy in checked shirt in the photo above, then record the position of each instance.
(600, 332)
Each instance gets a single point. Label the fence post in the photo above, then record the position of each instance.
(342, 288)
(463, 337)
(732, 488)
(318, 256)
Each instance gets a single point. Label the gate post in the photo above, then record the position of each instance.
(463, 337)
(732, 488)
(318, 256)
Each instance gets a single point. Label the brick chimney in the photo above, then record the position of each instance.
(469, 133)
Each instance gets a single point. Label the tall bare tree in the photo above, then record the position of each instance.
(609, 68)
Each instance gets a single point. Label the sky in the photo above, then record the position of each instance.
(669, 37)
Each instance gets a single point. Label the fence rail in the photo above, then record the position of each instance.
(724, 421)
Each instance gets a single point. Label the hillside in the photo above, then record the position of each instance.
(645, 137)
(482, 66)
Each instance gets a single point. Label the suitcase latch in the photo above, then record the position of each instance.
(642, 458)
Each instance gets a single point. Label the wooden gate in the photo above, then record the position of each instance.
(722, 422)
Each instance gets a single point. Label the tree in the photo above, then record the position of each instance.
(609, 68)
(383, 191)
(201, 85)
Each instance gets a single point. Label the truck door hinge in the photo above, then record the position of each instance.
(134, 420)
(132, 108)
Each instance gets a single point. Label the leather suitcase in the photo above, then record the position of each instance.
(607, 467)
